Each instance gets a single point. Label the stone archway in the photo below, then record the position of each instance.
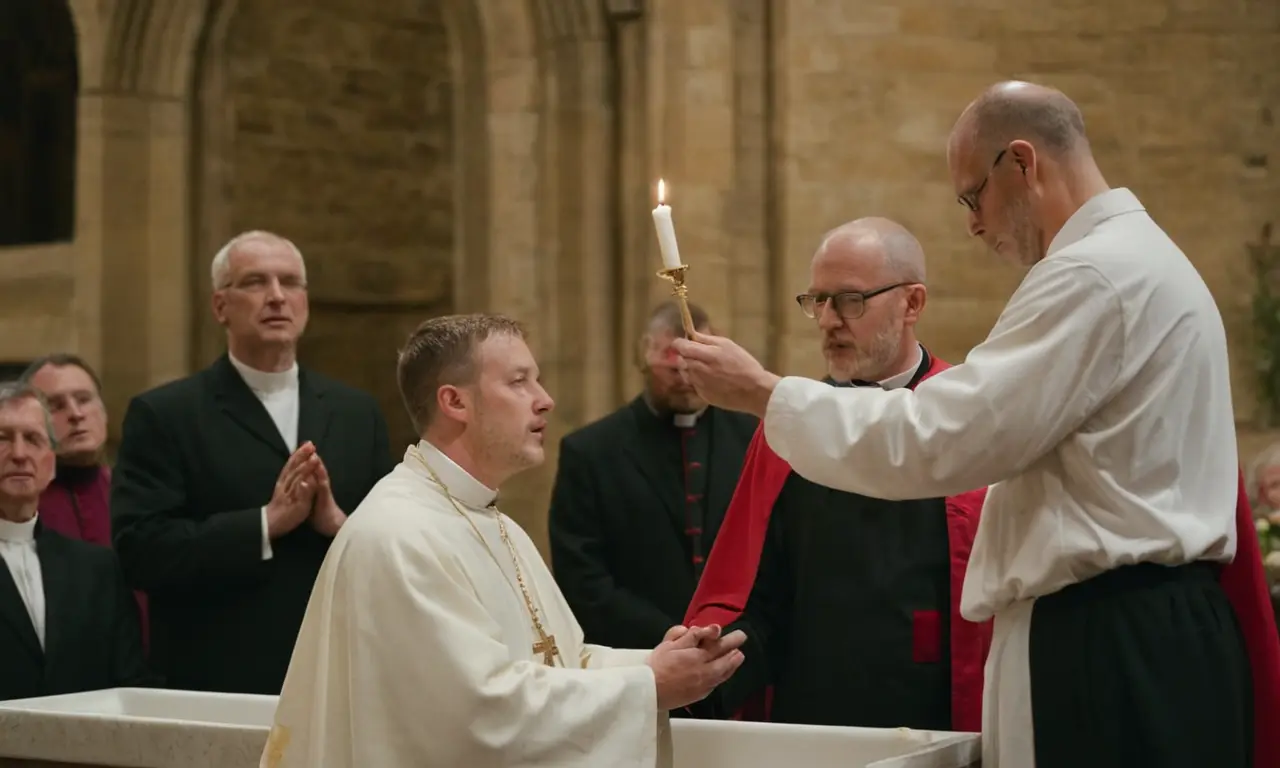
(528, 133)
(532, 217)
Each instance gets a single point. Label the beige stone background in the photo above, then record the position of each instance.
(447, 155)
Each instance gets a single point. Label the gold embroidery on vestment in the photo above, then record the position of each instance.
(277, 743)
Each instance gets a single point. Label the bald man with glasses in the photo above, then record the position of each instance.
(848, 601)
(1116, 552)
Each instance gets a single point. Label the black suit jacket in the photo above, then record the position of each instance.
(617, 521)
(198, 460)
(93, 637)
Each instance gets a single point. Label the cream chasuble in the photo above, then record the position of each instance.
(1099, 412)
(417, 648)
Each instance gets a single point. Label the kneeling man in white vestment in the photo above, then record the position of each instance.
(436, 635)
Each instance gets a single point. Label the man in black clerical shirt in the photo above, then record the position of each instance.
(231, 483)
(639, 496)
(68, 622)
(849, 618)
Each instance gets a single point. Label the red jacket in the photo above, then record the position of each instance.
(731, 570)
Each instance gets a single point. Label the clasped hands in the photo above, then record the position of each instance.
(724, 374)
(691, 662)
(303, 492)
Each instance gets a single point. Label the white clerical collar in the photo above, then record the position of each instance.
(903, 379)
(686, 420)
(458, 482)
(682, 420)
(18, 533)
(266, 382)
(1098, 209)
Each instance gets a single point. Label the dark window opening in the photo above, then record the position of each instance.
(39, 82)
(10, 371)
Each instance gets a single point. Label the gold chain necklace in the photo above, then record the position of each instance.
(545, 645)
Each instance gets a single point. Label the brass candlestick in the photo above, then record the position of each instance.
(675, 276)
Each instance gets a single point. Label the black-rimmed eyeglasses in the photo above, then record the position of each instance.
(848, 304)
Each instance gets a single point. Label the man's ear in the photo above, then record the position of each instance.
(452, 402)
(644, 351)
(917, 297)
(218, 303)
(1023, 154)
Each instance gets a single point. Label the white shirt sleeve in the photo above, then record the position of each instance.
(1054, 356)
(267, 552)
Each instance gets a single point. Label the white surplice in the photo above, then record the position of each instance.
(417, 649)
(1099, 412)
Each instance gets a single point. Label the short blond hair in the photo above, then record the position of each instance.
(442, 351)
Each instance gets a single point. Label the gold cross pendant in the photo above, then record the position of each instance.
(546, 646)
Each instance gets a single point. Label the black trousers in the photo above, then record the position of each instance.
(1141, 667)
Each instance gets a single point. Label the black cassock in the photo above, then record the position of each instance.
(848, 616)
(636, 507)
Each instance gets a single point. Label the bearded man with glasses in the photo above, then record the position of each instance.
(849, 603)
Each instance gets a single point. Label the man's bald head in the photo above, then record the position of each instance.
(1022, 166)
(879, 238)
(1013, 110)
(866, 292)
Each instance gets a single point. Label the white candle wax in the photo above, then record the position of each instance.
(666, 236)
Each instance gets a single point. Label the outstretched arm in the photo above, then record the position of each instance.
(1054, 356)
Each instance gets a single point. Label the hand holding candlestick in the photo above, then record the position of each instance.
(672, 271)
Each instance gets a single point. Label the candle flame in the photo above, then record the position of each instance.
(662, 191)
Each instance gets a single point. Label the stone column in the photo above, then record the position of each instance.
(133, 302)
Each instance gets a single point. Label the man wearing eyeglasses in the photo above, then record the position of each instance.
(230, 484)
(1116, 551)
(847, 601)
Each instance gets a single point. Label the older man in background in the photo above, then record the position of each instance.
(77, 502)
(67, 620)
(231, 483)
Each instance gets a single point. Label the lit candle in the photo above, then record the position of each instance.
(666, 230)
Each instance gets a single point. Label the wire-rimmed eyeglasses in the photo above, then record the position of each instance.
(970, 199)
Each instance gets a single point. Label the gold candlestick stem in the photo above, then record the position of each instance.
(675, 276)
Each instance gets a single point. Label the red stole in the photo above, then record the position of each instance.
(727, 580)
